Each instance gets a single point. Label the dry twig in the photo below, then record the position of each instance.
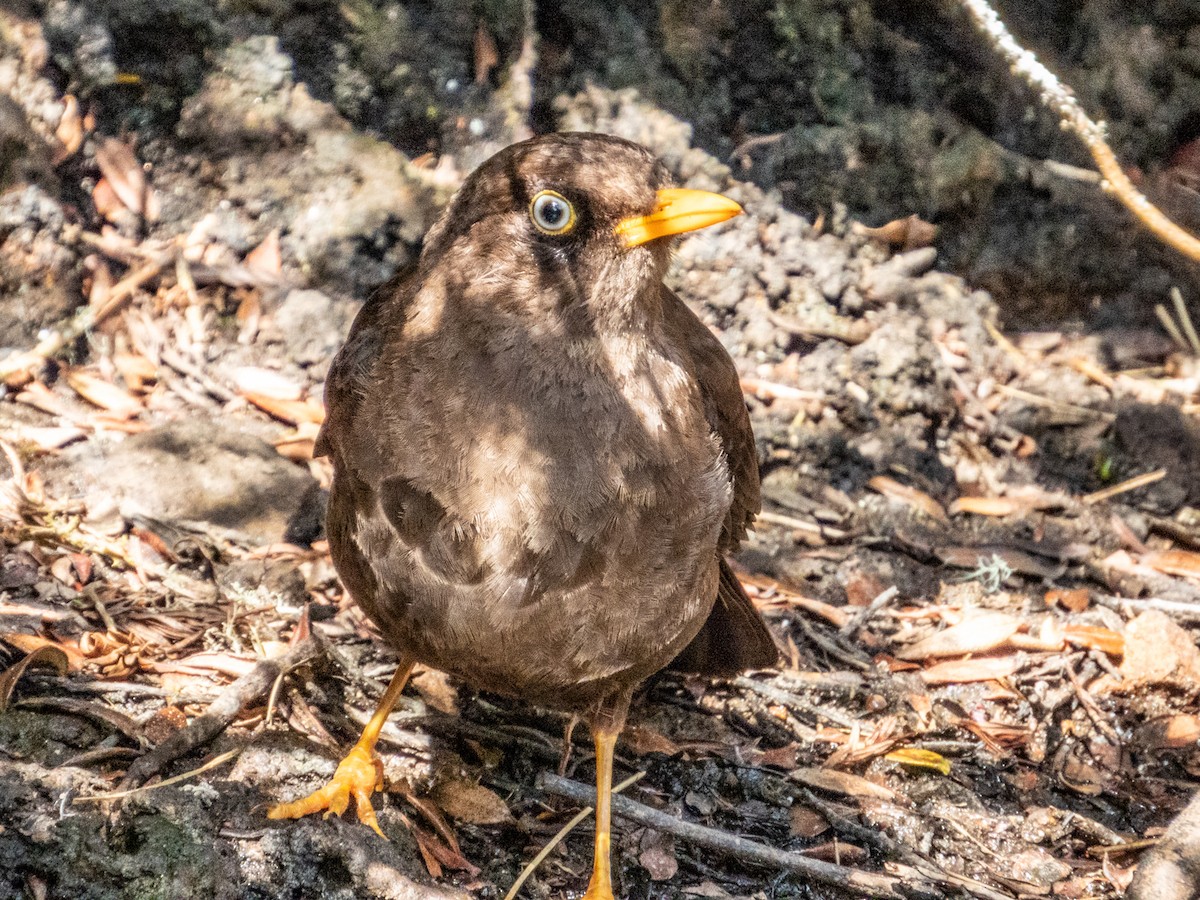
(859, 884)
(1061, 100)
(251, 686)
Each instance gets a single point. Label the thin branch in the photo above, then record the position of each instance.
(203, 729)
(1061, 100)
(859, 884)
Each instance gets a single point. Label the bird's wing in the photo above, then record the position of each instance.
(725, 410)
(734, 637)
(350, 371)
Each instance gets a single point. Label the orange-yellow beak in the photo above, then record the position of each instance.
(678, 210)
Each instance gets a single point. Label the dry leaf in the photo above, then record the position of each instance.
(920, 759)
(443, 854)
(63, 570)
(266, 383)
(104, 394)
(138, 373)
(962, 671)
(266, 259)
(297, 447)
(102, 282)
(657, 855)
(1174, 562)
(425, 844)
(293, 412)
(981, 632)
(1047, 637)
(105, 199)
(31, 643)
(909, 233)
(70, 129)
(42, 656)
(1095, 637)
(249, 316)
(770, 594)
(49, 438)
(806, 823)
(1018, 561)
(915, 498)
(1169, 733)
(1072, 599)
(208, 663)
(437, 690)
(470, 802)
(779, 757)
(997, 735)
(41, 397)
(487, 56)
(641, 739)
(842, 783)
(125, 176)
(985, 506)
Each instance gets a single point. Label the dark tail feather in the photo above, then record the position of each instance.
(734, 638)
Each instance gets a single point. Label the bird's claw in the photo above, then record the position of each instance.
(359, 775)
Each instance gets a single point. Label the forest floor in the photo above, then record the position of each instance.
(979, 551)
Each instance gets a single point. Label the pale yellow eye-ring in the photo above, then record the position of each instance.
(551, 213)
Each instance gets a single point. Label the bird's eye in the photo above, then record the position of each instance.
(552, 213)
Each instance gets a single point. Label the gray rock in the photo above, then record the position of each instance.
(200, 474)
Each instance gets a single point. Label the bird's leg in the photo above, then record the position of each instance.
(358, 775)
(606, 727)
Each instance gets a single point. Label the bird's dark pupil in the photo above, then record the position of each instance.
(553, 212)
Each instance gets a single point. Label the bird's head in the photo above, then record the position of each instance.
(566, 221)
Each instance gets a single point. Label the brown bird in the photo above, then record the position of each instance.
(540, 454)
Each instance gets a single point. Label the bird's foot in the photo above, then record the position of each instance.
(358, 775)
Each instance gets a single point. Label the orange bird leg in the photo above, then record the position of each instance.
(359, 775)
(606, 727)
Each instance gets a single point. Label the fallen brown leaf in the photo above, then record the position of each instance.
(1158, 651)
(806, 823)
(293, 412)
(909, 233)
(487, 55)
(106, 201)
(642, 739)
(842, 783)
(436, 689)
(70, 129)
(31, 643)
(467, 801)
(914, 497)
(985, 506)
(984, 631)
(962, 671)
(125, 175)
(1095, 637)
(1071, 599)
(104, 394)
(1185, 563)
(42, 656)
(657, 855)
(266, 259)
(138, 373)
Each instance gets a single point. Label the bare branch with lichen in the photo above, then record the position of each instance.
(1061, 100)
